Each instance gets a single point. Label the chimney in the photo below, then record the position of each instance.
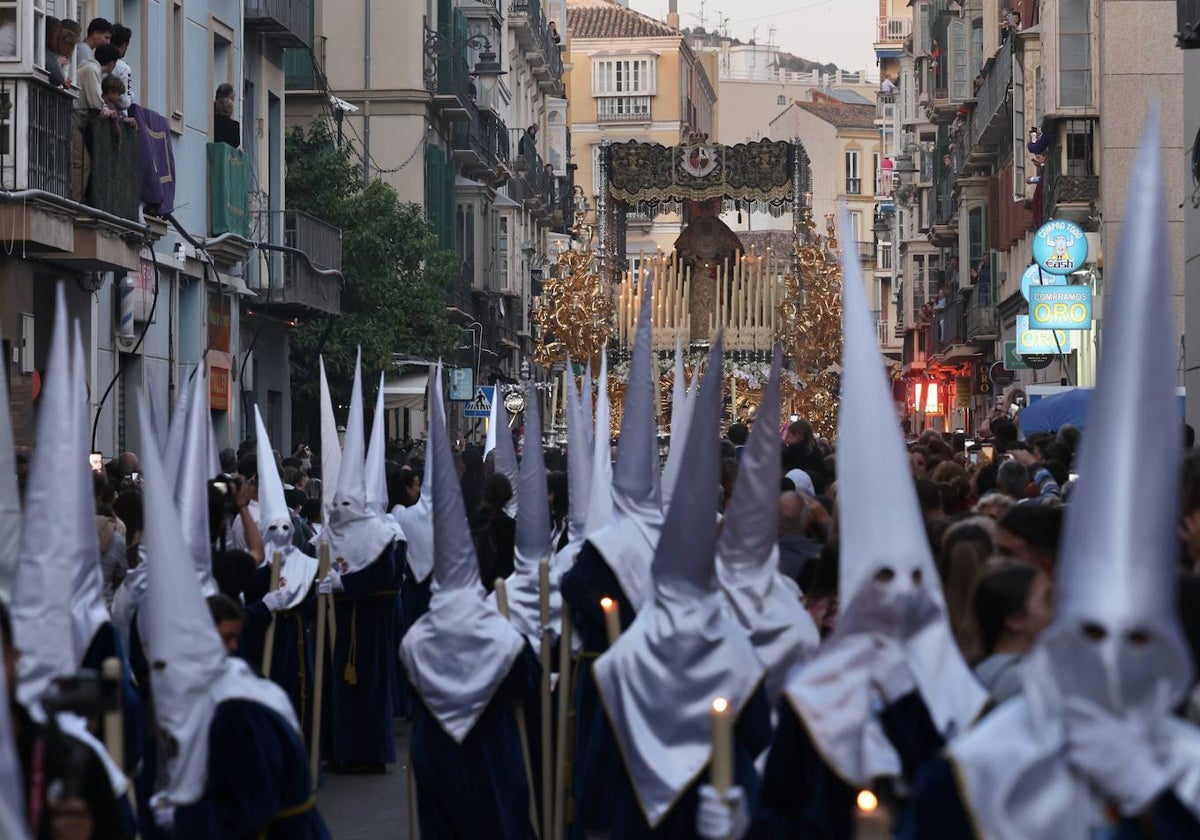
(673, 14)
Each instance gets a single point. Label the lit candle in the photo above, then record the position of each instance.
(720, 768)
(612, 619)
(501, 597)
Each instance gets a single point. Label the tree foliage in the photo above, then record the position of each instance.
(394, 273)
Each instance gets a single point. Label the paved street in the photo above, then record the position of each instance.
(369, 807)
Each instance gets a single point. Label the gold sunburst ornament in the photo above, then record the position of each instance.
(574, 314)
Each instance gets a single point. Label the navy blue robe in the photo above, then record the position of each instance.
(104, 645)
(478, 788)
(583, 585)
(936, 810)
(292, 662)
(362, 678)
(257, 786)
(624, 819)
(414, 603)
(802, 796)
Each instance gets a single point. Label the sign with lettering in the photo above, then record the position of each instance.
(1034, 276)
(218, 388)
(1042, 341)
(1060, 308)
(1060, 247)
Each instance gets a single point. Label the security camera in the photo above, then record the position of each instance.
(342, 104)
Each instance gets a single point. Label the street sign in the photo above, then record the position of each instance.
(1000, 377)
(1042, 341)
(1012, 359)
(1060, 308)
(1060, 247)
(480, 404)
(462, 384)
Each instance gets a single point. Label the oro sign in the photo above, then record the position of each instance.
(1060, 247)
(1035, 341)
(1060, 308)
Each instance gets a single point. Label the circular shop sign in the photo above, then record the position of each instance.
(1001, 377)
(1060, 247)
(1037, 361)
(1034, 276)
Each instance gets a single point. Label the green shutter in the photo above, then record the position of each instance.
(229, 191)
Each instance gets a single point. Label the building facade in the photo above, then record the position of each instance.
(1188, 39)
(635, 78)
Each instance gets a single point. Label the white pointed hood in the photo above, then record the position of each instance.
(600, 504)
(627, 542)
(298, 571)
(459, 652)
(580, 439)
(534, 541)
(781, 629)
(1116, 570)
(881, 528)
(681, 414)
(659, 680)
(191, 482)
(41, 608)
(503, 454)
(416, 521)
(173, 447)
(376, 466)
(356, 535)
(331, 447)
(10, 500)
(191, 673)
(88, 612)
(158, 422)
(13, 823)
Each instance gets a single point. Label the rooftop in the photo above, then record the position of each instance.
(605, 19)
(840, 114)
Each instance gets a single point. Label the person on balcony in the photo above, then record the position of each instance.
(61, 38)
(88, 104)
(226, 129)
(982, 275)
(528, 146)
(99, 32)
(554, 36)
(120, 39)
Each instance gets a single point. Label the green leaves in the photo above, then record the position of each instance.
(395, 275)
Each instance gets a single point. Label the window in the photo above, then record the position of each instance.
(976, 47)
(1018, 130)
(175, 65)
(854, 234)
(781, 100)
(1079, 147)
(958, 61)
(617, 76)
(502, 252)
(875, 168)
(623, 109)
(1074, 53)
(853, 173)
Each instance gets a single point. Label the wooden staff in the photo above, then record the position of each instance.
(269, 641)
(314, 746)
(564, 709)
(547, 728)
(501, 590)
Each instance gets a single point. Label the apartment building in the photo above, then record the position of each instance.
(155, 251)
(460, 106)
(1188, 39)
(1006, 112)
(635, 78)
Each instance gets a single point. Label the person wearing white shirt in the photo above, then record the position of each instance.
(120, 40)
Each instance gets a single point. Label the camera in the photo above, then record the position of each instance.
(223, 496)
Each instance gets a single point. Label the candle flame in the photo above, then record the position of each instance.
(607, 604)
(719, 705)
(867, 801)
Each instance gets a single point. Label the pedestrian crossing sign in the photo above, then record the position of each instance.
(480, 405)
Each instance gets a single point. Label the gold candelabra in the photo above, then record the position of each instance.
(574, 313)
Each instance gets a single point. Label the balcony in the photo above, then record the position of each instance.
(452, 88)
(623, 109)
(287, 22)
(866, 251)
(458, 295)
(988, 131)
(301, 71)
(35, 137)
(533, 37)
(229, 201)
(892, 30)
(983, 323)
(885, 108)
(884, 182)
(480, 144)
(296, 286)
(533, 184)
(949, 328)
(1188, 14)
(1070, 196)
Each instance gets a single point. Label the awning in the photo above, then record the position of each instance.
(406, 391)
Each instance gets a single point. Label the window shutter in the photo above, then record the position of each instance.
(1018, 130)
(959, 60)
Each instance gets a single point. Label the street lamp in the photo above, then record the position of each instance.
(487, 68)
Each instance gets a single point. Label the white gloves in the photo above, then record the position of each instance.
(720, 818)
(331, 583)
(164, 812)
(1116, 754)
(889, 669)
(276, 600)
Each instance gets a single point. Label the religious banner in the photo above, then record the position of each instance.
(698, 170)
